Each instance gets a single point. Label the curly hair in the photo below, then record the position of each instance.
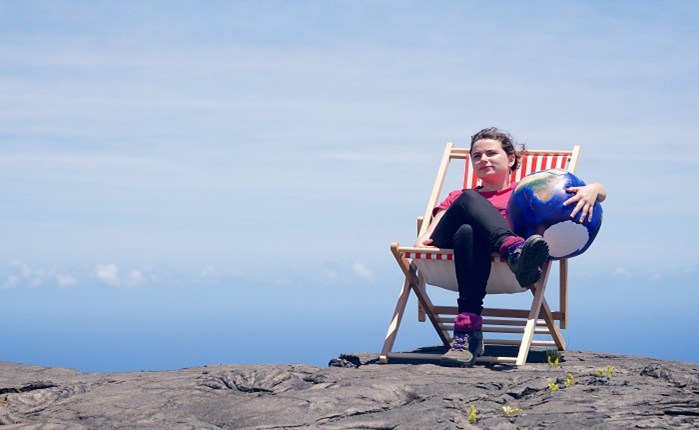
(506, 140)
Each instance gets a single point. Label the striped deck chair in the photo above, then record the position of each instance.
(435, 267)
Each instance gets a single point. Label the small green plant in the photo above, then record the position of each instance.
(472, 415)
(553, 386)
(570, 381)
(509, 410)
(608, 371)
(553, 357)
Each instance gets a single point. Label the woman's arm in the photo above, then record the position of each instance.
(585, 198)
(424, 241)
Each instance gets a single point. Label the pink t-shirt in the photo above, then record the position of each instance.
(497, 198)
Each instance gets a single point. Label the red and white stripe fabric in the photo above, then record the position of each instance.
(529, 163)
(428, 256)
(442, 256)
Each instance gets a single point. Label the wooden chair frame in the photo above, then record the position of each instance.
(538, 319)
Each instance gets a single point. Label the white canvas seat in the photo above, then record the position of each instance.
(438, 269)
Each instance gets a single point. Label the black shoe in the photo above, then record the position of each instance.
(524, 260)
(465, 347)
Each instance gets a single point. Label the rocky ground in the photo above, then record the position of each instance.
(587, 390)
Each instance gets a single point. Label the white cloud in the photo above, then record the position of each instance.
(209, 272)
(656, 276)
(21, 274)
(363, 272)
(135, 278)
(22, 268)
(11, 281)
(621, 272)
(111, 275)
(387, 156)
(65, 280)
(108, 273)
(329, 275)
(213, 273)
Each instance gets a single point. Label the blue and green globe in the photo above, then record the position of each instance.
(536, 207)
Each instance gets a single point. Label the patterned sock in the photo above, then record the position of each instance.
(508, 244)
(467, 322)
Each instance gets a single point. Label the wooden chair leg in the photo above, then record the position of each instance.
(563, 294)
(418, 286)
(395, 322)
(529, 327)
(552, 326)
(538, 291)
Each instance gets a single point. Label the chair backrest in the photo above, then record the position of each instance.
(531, 161)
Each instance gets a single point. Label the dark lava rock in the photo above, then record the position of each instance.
(588, 390)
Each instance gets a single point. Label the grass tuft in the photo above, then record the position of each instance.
(509, 410)
(553, 357)
(553, 386)
(472, 415)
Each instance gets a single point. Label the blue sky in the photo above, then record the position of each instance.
(181, 180)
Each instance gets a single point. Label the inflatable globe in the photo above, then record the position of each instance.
(536, 207)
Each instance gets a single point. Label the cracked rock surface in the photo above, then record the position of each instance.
(587, 390)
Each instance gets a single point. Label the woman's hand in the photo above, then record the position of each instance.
(424, 242)
(584, 199)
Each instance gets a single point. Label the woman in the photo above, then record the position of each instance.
(473, 223)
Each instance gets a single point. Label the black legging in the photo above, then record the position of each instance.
(474, 229)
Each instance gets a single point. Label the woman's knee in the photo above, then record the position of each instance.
(468, 197)
(464, 235)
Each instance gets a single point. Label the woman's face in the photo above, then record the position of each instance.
(490, 161)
